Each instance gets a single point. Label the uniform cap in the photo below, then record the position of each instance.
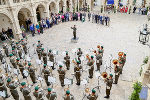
(111, 75)
(124, 54)
(21, 39)
(92, 56)
(50, 50)
(13, 48)
(44, 65)
(18, 59)
(67, 92)
(49, 89)
(38, 40)
(16, 42)
(78, 62)
(93, 91)
(100, 51)
(60, 66)
(29, 64)
(36, 88)
(10, 55)
(120, 62)
(23, 83)
(102, 47)
(42, 48)
(8, 80)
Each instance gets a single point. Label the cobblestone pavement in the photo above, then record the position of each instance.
(122, 35)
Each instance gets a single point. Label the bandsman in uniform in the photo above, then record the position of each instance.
(51, 95)
(61, 75)
(44, 55)
(91, 65)
(67, 61)
(13, 45)
(102, 48)
(109, 82)
(121, 66)
(13, 89)
(78, 72)
(24, 46)
(38, 94)
(93, 95)
(46, 73)
(25, 91)
(3, 87)
(14, 52)
(5, 47)
(99, 59)
(39, 51)
(13, 60)
(74, 31)
(51, 58)
(1, 56)
(117, 72)
(79, 53)
(32, 73)
(21, 66)
(40, 44)
(68, 96)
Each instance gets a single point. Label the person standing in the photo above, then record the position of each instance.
(91, 65)
(89, 16)
(25, 91)
(38, 94)
(74, 31)
(51, 95)
(38, 28)
(46, 73)
(32, 29)
(98, 60)
(3, 87)
(61, 75)
(67, 61)
(117, 73)
(51, 58)
(39, 52)
(10, 33)
(134, 9)
(93, 95)
(68, 96)
(32, 73)
(44, 54)
(77, 72)
(109, 82)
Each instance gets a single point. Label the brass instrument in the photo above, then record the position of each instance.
(87, 56)
(115, 61)
(87, 90)
(73, 61)
(104, 75)
(98, 46)
(120, 53)
(65, 89)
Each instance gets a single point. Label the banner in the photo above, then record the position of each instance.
(110, 1)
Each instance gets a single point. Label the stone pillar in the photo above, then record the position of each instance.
(47, 10)
(65, 6)
(70, 6)
(89, 3)
(57, 7)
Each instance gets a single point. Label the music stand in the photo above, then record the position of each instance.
(84, 82)
(52, 80)
(68, 82)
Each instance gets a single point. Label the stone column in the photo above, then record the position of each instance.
(70, 6)
(65, 6)
(57, 7)
(47, 10)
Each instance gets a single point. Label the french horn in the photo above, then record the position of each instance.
(115, 61)
(104, 75)
(120, 53)
(87, 90)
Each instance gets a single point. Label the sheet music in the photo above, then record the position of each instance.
(28, 59)
(40, 78)
(97, 74)
(49, 63)
(51, 79)
(16, 72)
(2, 94)
(25, 72)
(67, 81)
(38, 61)
(83, 82)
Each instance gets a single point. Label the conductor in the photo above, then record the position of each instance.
(74, 31)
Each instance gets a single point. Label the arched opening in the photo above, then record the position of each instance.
(25, 18)
(68, 5)
(40, 12)
(61, 6)
(52, 8)
(5, 23)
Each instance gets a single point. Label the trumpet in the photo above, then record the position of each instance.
(115, 61)
(87, 90)
(73, 61)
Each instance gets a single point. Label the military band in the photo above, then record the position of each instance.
(18, 62)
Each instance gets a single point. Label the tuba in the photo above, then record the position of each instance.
(98, 46)
(104, 75)
(120, 54)
(115, 61)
